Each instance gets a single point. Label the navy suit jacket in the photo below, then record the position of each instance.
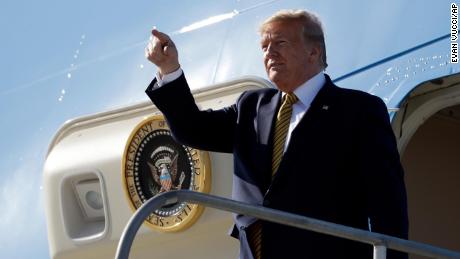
(342, 164)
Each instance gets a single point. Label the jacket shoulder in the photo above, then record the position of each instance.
(361, 98)
(256, 95)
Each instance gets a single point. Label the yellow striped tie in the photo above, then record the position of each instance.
(281, 128)
(255, 239)
(283, 120)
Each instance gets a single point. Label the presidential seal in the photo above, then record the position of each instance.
(154, 163)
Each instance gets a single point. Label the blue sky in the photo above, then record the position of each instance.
(64, 59)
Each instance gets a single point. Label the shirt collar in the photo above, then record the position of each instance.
(310, 88)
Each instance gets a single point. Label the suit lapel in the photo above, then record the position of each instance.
(266, 116)
(321, 106)
(326, 95)
(265, 124)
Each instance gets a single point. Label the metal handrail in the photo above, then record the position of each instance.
(379, 241)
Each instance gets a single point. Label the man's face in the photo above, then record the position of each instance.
(289, 60)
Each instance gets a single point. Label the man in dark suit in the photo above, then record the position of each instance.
(309, 148)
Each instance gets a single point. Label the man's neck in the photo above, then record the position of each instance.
(306, 78)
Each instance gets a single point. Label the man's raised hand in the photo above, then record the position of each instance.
(162, 52)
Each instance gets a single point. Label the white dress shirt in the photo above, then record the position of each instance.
(168, 77)
(306, 93)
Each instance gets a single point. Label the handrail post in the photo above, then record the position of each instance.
(380, 252)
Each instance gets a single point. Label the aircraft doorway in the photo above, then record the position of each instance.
(428, 131)
(432, 166)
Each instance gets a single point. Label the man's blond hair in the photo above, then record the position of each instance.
(312, 28)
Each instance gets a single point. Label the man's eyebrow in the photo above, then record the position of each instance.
(272, 35)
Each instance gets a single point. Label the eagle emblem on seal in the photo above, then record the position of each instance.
(164, 170)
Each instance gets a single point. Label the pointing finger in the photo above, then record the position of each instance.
(149, 46)
(156, 47)
(164, 38)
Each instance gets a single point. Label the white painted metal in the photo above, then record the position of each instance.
(380, 252)
(422, 103)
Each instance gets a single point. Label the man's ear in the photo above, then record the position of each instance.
(314, 53)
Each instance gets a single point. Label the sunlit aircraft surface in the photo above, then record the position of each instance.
(62, 61)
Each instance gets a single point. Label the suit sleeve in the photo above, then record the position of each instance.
(382, 173)
(211, 130)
